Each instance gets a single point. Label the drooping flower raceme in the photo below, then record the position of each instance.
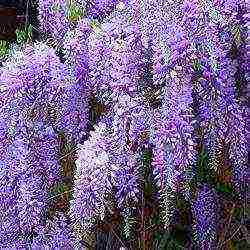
(161, 26)
(172, 137)
(53, 17)
(116, 54)
(130, 124)
(55, 234)
(107, 163)
(33, 166)
(204, 210)
(34, 85)
(221, 115)
(46, 88)
(92, 181)
(100, 8)
(176, 129)
(75, 47)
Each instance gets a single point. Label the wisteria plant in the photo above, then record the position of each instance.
(128, 130)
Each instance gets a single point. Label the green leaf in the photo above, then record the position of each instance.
(165, 242)
(21, 36)
(236, 32)
(146, 157)
(94, 24)
(29, 32)
(74, 13)
(3, 47)
(224, 188)
(157, 236)
(156, 220)
(197, 66)
(238, 213)
(59, 189)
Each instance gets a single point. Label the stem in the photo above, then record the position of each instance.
(117, 237)
(27, 13)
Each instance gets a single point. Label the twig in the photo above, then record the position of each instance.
(27, 13)
(151, 227)
(117, 237)
(236, 231)
(229, 223)
(66, 192)
(64, 156)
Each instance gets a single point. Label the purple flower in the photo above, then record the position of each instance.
(220, 113)
(100, 8)
(173, 132)
(69, 111)
(56, 234)
(53, 17)
(127, 187)
(30, 202)
(44, 102)
(46, 91)
(204, 210)
(92, 182)
(105, 163)
(75, 47)
(116, 55)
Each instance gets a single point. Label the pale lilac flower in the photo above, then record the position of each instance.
(92, 181)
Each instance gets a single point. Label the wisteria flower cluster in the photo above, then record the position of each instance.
(171, 80)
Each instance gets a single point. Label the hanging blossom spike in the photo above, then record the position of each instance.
(45, 90)
(100, 8)
(174, 146)
(204, 210)
(53, 17)
(129, 124)
(221, 115)
(32, 176)
(42, 172)
(32, 82)
(176, 119)
(104, 163)
(117, 66)
(19, 157)
(92, 182)
(75, 48)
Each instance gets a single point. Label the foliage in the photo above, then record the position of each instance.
(24, 34)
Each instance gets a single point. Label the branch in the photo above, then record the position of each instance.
(236, 231)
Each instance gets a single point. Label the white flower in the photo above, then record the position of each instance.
(121, 6)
